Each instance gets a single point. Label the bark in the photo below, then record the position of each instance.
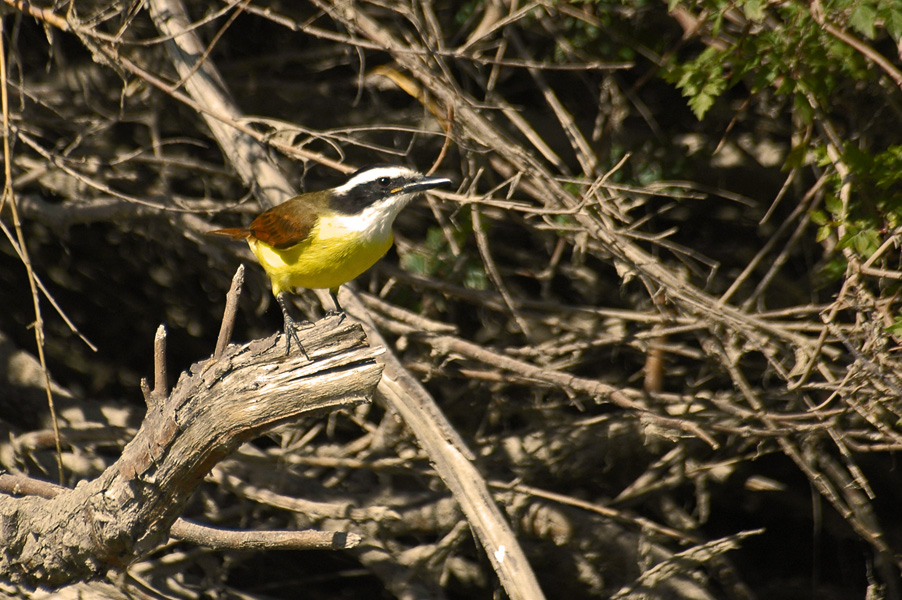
(108, 522)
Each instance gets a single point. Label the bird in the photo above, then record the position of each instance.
(325, 238)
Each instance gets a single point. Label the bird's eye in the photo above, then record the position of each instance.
(383, 181)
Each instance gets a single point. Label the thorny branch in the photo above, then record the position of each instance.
(529, 311)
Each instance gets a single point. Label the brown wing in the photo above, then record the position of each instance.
(285, 225)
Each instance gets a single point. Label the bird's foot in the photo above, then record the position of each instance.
(291, 334)
(291, 327)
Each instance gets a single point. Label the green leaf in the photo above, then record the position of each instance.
(435, 239)
(864, 242)
(833, 204)
(862, 19)
(702, 79)
(867, 242)
(754, 10)
(797, 156)
(834, 269)
(896, 327)
(819, 217)
(717, 24)
(475, 278)
(414, 262)
(803, 108)
(893, 20)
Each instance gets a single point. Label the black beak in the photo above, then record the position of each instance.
(422, 184)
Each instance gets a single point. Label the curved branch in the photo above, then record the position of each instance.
(128, 510)
(205, 85)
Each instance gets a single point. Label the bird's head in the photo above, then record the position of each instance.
(381, 189)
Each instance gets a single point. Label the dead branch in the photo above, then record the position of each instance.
(108, 522)
(453, 460)
(451, 457)
(204, 83)
(531, 303)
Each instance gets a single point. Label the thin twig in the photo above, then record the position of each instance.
(482, 243)
(234, 539)
(9, 197)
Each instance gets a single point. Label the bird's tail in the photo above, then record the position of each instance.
(236, 233)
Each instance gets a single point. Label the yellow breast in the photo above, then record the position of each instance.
(335, 252)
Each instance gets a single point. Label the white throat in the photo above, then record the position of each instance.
(374, 223)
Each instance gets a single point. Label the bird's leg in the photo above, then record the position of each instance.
(290, 327)
(336, 310)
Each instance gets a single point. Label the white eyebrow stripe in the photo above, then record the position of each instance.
(374, 174)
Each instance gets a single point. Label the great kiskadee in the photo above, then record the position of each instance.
(326, 238)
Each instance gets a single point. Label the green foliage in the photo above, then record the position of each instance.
(896, 327)
(865, 16)
(832, 270)
(876, 206)
(860, 238)
(702, 80)
(436, 259)
(785, 53)
(789, 53)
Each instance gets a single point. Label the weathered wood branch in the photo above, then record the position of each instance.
(204, 83)
(124, 513)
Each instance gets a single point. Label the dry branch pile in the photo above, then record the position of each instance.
(645, 372)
